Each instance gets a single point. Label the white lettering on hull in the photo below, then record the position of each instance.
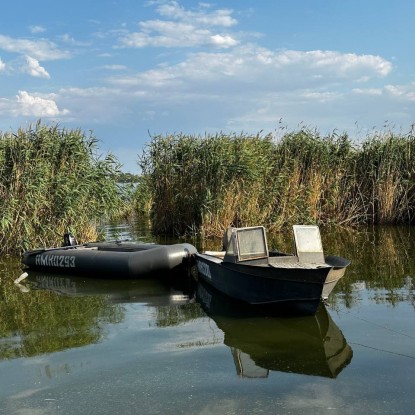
(58, 261)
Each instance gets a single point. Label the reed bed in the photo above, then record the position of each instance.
(52, 181)
(203, 184)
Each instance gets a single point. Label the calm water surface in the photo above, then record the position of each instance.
(85, 346)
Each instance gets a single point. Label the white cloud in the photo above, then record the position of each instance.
(250, 88)
(323, 63)
(223, 41)
(224, 85)
(70, 40)
(37, 29)
(367, 91)
(40, 49)
(402, 91)
(221, 17)
(350, 62)
(256, 69)
(31, 105)
(185, 28)
(166, 34)
(2, 65)
(34, 69)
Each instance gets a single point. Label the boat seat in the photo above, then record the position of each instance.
(298, 265)
(217, 254)
(308, 246)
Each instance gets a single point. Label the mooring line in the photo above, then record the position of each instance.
(382, 350)
(378, 325)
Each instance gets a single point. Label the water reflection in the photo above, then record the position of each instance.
(153, 292)
(48, 312)
(75, 311)
(62, 312)
(311, 345)
(171, 300)
(38, 322)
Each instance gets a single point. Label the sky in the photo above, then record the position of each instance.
(128, 70)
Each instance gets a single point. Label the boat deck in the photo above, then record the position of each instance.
(289, 261)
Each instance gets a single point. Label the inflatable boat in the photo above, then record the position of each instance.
(121, 259)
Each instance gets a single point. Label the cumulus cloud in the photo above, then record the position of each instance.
(249, 87)
(202, 16)
(40, 49)
(222, 82)
(258, 69)
(166, 34)
(402, 91)
(31, 105)
(350, 63)
(34, 69)
(30, 52)
(183, 28)
(2, 65)
(223, 41)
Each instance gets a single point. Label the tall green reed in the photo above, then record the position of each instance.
(386, 168)
(205, 183)
(189, 175)
(52, 181)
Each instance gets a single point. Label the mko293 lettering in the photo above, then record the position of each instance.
(59, 261)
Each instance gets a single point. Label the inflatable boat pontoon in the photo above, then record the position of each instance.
(115, 259)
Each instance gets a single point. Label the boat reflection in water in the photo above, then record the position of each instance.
(309, 345)
(154, 292)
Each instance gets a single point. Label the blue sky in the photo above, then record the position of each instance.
(128, 69)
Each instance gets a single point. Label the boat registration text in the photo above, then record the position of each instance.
(59, 261)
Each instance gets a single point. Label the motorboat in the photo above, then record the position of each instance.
(247, 271)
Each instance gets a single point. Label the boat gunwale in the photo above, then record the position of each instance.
(274, 262)
(246, 269)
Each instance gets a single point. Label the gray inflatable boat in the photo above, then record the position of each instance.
(111, 259)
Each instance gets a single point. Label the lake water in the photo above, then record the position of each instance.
(79, 346)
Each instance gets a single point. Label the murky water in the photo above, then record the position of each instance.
(76, 345)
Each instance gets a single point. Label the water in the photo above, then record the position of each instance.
(74, 346)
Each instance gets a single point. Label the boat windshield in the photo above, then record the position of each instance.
(308, 244)
(250, 243)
